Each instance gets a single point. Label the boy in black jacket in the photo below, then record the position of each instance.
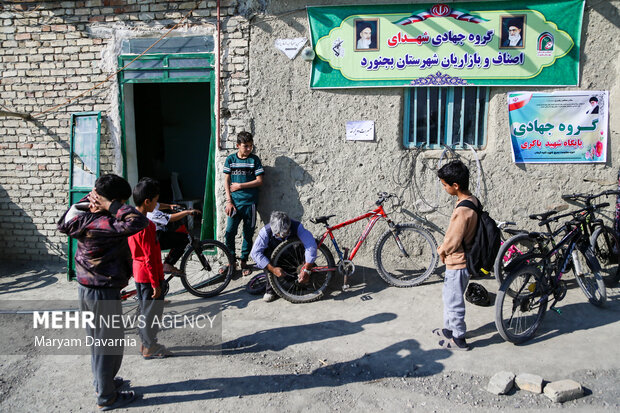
(101, 223)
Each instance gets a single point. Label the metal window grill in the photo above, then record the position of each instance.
(450, 116)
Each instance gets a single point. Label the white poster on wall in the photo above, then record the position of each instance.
(291, 47)
(361, 130)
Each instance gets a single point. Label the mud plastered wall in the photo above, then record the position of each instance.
(312, 170)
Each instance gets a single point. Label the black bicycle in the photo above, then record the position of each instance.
(202, 265)
(536, 277)
(522, 242)
(604, 239)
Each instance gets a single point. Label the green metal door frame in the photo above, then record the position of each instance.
(176, 68)
(78, 192)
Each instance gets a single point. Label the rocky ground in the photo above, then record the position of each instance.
(367, 348)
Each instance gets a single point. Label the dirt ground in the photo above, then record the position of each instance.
(369, 348)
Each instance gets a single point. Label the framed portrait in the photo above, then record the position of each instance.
(512, 32)
(366, 35)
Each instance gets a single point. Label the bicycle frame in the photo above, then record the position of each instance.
(374, 215)
(570, 240)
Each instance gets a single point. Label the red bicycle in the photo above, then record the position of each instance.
(405, 255)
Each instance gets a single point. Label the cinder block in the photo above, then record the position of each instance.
(501, 382)
(529, 382)
(563, 390)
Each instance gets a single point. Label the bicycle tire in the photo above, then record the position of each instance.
(588, 276)
(289, 256)
(518, 315)
(400, 271)
(606, 247)
(523, 243)
(201, 271)
(257, 284)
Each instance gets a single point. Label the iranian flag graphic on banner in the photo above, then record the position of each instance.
(518, 100)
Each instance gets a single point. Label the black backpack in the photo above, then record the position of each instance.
(486, 243)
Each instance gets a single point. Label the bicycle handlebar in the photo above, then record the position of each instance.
(383, 196)
(589, 197)
(181, 208)
(503, 224)
(574, 214)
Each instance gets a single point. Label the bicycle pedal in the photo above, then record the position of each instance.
(557, 310)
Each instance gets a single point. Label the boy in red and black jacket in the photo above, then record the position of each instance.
(101, 223)
(148, 271)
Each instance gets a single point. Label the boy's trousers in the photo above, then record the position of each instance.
(247, 214)
(149, 309)
(173, 241)
(454, 285)
(105, 360)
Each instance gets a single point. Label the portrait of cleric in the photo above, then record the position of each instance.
(513, 31)
(366, 32)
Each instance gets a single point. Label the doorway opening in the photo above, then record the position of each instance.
(172, 123)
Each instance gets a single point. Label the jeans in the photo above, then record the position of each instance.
(247, 214)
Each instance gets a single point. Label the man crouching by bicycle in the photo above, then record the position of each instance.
(279, 229)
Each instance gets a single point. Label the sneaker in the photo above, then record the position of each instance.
(170, 269)
(269, 297)
(123, 398)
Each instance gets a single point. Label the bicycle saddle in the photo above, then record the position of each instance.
(321, 220)
(544, 215)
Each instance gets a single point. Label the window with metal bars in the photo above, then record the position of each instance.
(453, 116)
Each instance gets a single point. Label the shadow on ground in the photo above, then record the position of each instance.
(20, 276)
(571, 318)
(400, 359)
(280, 338)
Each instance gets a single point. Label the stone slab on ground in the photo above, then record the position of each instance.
(501, 382)
(529, 382)
(563, 390)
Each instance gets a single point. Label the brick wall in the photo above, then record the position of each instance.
(49, 54)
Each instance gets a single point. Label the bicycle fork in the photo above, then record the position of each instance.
(203, 260)
(401, 247)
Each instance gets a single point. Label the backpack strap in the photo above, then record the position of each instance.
(468, 204)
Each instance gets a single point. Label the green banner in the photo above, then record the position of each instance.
(458, 44)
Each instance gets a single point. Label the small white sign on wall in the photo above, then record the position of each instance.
(291, 47)
(361, 130)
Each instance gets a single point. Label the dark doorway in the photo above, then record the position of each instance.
(173, 130)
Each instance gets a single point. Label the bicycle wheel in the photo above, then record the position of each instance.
(518, 315)
(588, 276)
(606, 247)
(407, 256)
(202, 269)
(289, 256)
(257, 285)
(510, 251)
